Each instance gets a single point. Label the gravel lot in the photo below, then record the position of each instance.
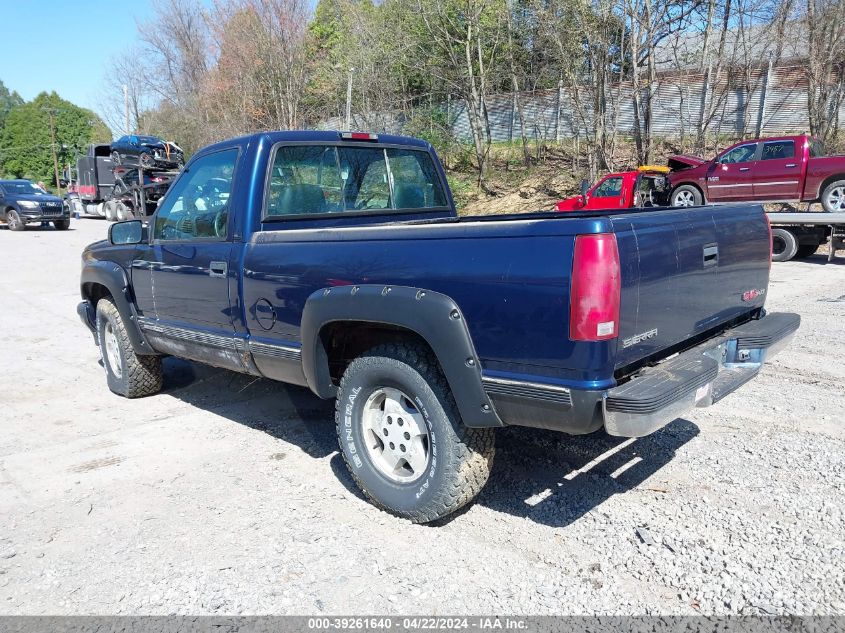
(226, 494)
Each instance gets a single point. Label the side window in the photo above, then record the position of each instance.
(416, 184)
(778, 149)
(741, 154)
(608, 188)
(197, 206)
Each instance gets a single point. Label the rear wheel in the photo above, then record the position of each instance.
(115, 158)
(402, 437)
(128, 374)
(109, 210)
(122, 212)
(806, 250)
(686, 196)
(833, 197)
(62, 225)
(784, 245)
(13, 219)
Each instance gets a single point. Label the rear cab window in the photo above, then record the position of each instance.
(320, 180)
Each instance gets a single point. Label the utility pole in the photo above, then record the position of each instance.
(52, 112)
(349, 100)
(126, 109)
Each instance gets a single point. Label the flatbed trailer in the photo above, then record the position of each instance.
(801, 234)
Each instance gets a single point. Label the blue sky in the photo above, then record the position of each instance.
(64, 45)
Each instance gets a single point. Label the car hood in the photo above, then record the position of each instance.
(36, 197)
(158, 145)
(683, 161)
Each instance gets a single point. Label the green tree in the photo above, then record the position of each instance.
(8, 100)
(26, 143)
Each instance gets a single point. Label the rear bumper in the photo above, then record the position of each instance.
(656, 395)
(699, 377)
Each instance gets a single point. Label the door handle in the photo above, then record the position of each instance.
(217, 269)
(711, 255)
(790, 164)
(744, 168)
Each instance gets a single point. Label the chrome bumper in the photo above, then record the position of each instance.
(698, 377)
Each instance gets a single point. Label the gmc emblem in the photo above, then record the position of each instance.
(750, 295)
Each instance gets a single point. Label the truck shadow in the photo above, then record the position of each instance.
(546, 477)
(555, 479)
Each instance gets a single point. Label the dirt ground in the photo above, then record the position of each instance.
(225, 494)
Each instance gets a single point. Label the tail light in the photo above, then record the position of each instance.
(595, 288)
(771, 244)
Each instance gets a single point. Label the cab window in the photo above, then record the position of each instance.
(741, 154)
(609, 188)
(778, 149)
(197, 206)
(319, 179)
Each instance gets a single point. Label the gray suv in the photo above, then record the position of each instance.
(22, 202)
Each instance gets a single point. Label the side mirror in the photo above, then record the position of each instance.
(129, 232)
(585, 187)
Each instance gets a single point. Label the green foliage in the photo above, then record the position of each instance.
(25, 140)
(8, 100)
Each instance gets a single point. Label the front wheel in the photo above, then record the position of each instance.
(402, 437)
(833, 197)
(13, 219)
(686, 196)
(145, 160)
(62, 225)
(127, 374)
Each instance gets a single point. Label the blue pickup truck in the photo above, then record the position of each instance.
(337, 261)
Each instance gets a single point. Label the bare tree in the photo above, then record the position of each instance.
(825, 70)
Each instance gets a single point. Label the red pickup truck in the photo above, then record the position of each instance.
(647, 186)
(786, 168)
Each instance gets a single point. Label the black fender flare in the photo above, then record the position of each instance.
(113, 278)
(433, 316)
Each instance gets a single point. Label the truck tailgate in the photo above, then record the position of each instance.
(686, 272)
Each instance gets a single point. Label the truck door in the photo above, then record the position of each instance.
(608, 193)
(731, 176)
(777, 174)
(190, 263)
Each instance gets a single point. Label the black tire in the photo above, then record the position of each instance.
(13, 220)
(686, 196)
(784, 245)
(115, 158)
(62, 225)
(459, 459)
(110, 210)
(806, 250)
(833, 197)
(136, 376)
